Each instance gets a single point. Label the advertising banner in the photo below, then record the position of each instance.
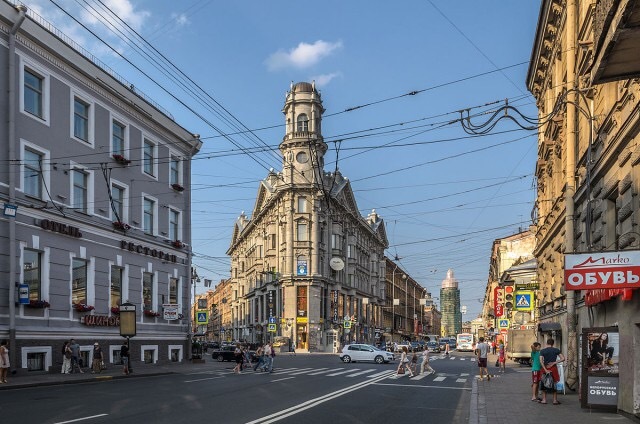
(600, 366)
(603, 270)
(170, 312)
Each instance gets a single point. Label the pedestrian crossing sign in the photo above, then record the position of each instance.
(271, 328)
(503, 323)
(347, 324)
(202, 317)
(524, 300)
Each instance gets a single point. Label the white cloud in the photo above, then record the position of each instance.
(324, 79)
(181, 19)
(121, 8)
(302, 56)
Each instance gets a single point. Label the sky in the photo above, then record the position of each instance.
(394, 78)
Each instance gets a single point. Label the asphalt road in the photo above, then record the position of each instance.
(303, 389)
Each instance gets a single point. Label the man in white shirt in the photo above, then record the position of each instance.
(425, 362)
(482, 350)
(268, 360)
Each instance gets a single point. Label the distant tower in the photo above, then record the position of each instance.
(450, 306)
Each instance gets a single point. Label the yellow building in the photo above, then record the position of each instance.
(588, 172)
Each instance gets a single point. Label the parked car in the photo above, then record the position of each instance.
(400, 345)
(364, 352)
(433, 347)
(226, 353)
(416, 346)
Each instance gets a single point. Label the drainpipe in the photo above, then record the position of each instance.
(571, 48)
(187, 207)
(22, 10)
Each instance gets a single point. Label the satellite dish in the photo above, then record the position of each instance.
(336, 264)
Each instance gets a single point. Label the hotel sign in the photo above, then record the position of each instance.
(57, 227)
(611, 270)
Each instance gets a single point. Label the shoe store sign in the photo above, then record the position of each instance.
(611, 270)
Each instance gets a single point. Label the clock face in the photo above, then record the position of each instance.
(302, 157)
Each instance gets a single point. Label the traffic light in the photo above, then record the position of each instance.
(508, 297)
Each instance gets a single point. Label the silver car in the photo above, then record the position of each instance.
(364, 352)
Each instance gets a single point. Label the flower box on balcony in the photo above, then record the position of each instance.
(37, 304)
(81, 307)
(177, 187)
(118, 225)
(150, 313)
(177, 244)
(121, 159)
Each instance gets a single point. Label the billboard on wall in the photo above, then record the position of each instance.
(600, 367)
(602, 270)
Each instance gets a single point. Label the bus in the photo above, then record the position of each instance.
(464, 342)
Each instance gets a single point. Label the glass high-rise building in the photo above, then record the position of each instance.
(450, 306)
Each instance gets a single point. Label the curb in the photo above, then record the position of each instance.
(96, 379)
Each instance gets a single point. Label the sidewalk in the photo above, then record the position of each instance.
(507, 399)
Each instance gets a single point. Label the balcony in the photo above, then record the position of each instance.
(617, 41)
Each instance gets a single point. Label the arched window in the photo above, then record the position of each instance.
(303, 123)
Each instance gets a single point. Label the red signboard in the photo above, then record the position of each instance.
(498, 297)
(610, 270)
(499, 310)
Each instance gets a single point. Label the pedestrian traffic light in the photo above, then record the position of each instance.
(508, 297)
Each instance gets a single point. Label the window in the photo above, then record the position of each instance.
(117, 138)
(303, 123)
(117, 197)
(36, 361)
(32, 272)
(302, 231)
(33, 93)
(116, 285)
(80, 119)
(173, 291)
(174, 225)
(336, 241)
(302, 204)
(148, 159)
(32, 181)
(80, 190)
(174, 170)
(147, 291)
(149, 216)
(351, 251)
(79, 281)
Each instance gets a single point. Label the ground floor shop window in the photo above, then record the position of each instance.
(149, 354)
(116, 359)
(175, 353)
(36, 358)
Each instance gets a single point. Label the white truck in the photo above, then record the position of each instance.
(519, 345)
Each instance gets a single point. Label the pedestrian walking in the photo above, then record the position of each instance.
(75, 356)
(124, 355)
(237, 354)
(501, 357)
(267, 357)
(414, 361)
(272, 357)
(482, 350)
(493, 347)
(260, 356)
(96, 366)
(66, 357)
(404, 363)
(535, 371)
(425, 363)
(446, 348)
(550, 357)
(4, 361)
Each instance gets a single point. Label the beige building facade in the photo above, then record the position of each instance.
(588, 172)
(306, 261)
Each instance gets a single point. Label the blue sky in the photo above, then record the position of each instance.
(445, 196)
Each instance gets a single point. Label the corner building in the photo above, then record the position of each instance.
(306, 261)
(98, 176)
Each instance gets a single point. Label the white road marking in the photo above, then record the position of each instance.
(359, 373)
(419, 377)
(439, 378)
(325, 371)
(82, 419)
(464, 374)
(282, 379)
(305, 370)
(462, 359)
(423, 386)
(203, 379)
(342, 372)
(461, 380)
(387, 373)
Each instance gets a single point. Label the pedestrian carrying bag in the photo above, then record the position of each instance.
(497, 362)
(401, 370)
(547, 382)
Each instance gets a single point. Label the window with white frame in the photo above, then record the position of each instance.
(81, 119)
(118, 202)
(302, 204)
(174, 170)
(147, 291)
(174, 224)
(34, 93)
(32, 173)
(116, 285)
(118, 138)
(79, 280)
(32, 272)
(149, 216)
(336, 241)
(303, 123)
(173, 291)
(80, 190)
(149, 157)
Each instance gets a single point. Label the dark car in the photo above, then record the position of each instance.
(433, 347)
(227, 353)
(443, 343)
(416, 346)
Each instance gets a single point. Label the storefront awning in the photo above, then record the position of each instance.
(549, 326)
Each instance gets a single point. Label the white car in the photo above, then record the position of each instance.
(364, 352)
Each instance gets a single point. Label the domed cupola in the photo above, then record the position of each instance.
(302, 146)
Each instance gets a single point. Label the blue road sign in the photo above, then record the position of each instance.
(524, 301)
(272, 320)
